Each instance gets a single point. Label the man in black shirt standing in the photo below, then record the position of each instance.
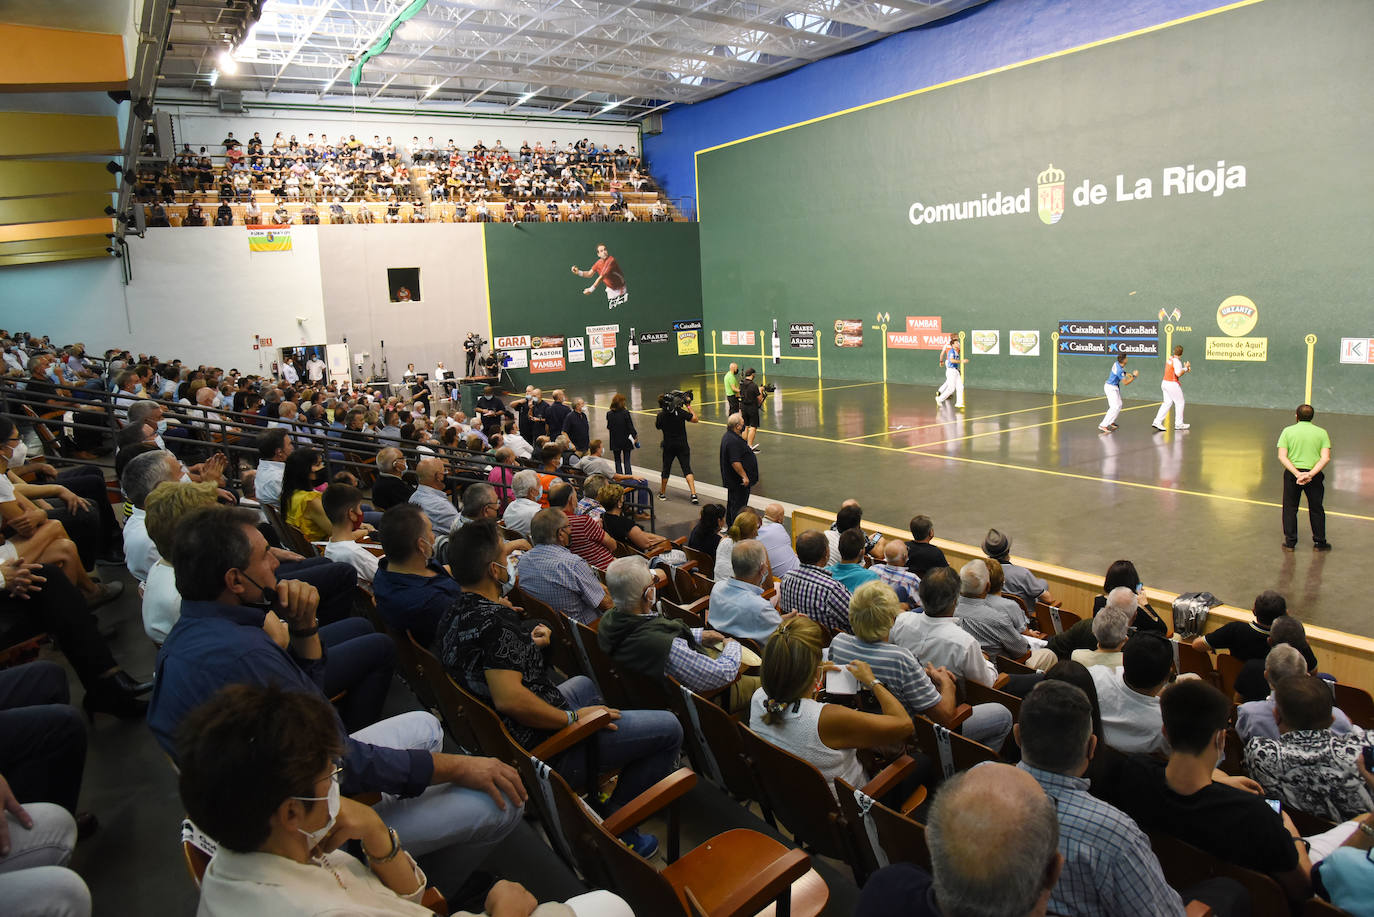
(673, 421)
(739, 467)
(491, 409)
(750, 400)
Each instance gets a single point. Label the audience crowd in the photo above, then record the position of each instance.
(297, 543)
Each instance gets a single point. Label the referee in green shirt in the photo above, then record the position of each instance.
(1304, 450)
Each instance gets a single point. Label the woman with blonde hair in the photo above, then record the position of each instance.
(165, 507)
(745, 527)
(784, 709)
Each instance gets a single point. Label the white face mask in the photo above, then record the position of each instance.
(331, 801)
(20, 454)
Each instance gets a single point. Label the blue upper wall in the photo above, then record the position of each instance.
(995, 34)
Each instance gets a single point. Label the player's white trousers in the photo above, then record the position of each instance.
(954, 385)
(1173, 398)
(1113, 393)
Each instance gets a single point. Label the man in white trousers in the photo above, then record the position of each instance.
(951, 359)
(1174, 370)
(1117, 378)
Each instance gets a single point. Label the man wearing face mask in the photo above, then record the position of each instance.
(738, 607)
(413, 591)
(226, 577)
(390, 489)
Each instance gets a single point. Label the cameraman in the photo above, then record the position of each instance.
(675, 412)
(750, 400)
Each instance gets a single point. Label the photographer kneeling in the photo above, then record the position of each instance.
(675, 412)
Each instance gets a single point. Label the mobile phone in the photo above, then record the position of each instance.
(1276, 805)
(1368, 752)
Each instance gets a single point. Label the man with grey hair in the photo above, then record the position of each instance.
(431, 496)
(1255, 719)
(390, 489)
(637, 637)
(556, 576)
(739, 467)
(991, 807)
(1109, 867)
(990, 626)
(781, 558)
(590, 504)
(141, 477)
(737, 604)
(527, 490)
(1111, 627)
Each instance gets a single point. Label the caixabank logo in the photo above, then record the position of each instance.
(1050, 195)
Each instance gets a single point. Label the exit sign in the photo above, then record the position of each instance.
(266, 342)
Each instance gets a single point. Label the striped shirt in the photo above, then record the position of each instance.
(816, 594)
(699, 671)
(900, 578)
(561, 580)
(1109, 868)
(584, 540)
(894, 666)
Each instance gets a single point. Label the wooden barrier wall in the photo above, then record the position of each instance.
(1348, 657)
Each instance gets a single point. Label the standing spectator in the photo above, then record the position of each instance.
(739, 468)
(620, 430)
(577, 427)
(1304, 451)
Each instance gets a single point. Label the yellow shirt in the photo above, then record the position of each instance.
(296, 515)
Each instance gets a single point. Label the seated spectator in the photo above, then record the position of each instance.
(589, 504)
(1121, 574)
(587, 539)
(300, 504)
(343, 504)
(850, 516)
(479, 502)
(935, 637)
(1345, 876)
(926, 690)
(921, 554)
(141, 476)
(782, 560)
(527, 489)
(811, 590)
(992, 807)
(169, 502)
(1256, 718)
(498, 656)
(412, 589)
(244, 755)
(1308, 766)
(784, 709)
(894, 572)
(990, 626)
(738, 607)
(705, 535)
(595, 462)
(1246, 640)
(1014, 612)
(557, 577)
(226, 575)
(1019, 581)
(1129, 697)
(1190, 799)
(274, 447)
(42, 755)
(744, 528)
(850, 572)
(1109, 867)
(1286, 629)
(390, 489)
(1111, 628)
(502, 474)
(620, 524)
(636, 636)
(431, 495)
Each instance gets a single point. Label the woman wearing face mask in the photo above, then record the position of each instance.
(30, 534)
(300, 502)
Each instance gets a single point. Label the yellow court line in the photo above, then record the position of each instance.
(1029, 426)
(1060, 404)
(1155, 487)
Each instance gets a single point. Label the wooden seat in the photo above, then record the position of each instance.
(563, 650)
(1357, 704)
(706, 563)
(975, 694)
(682, 587)
(1051, 619)
(1011, 667)
(802, 799)
(694, 614)
(1228, 670)
(900, 838)
(950, 751)
(734, 874)
(1184, 865)
(451, 709)
(1193, 661)
(721, 737)
(1316, 907)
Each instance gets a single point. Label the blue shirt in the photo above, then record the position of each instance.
(414, 603)
(851, 576)
(740, 610)
(952, 360)
(561, 580)
(215, 645)
(1117, 374)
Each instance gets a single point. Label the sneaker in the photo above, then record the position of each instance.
(1113, 426)
(695, 501)
(646, 845)
(1324, 546)
(1182, 426)
(663, 496)
(1289, 547)
(755, 448)
(1105, 429)
(1157, 428)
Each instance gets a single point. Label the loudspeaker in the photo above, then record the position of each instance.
(653, 124)
(140, 219)
(166, 139)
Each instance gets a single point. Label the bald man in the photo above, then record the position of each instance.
(781, 558)
(991, 807)
(431, 496)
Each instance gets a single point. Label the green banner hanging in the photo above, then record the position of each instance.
(384, 40)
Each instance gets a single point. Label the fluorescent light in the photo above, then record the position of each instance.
(227, 63)
(214, 77)
(327, 86)
(526, 97)
(430, 91)
(609, 105)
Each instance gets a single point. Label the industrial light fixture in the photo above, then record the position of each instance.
(227, 64)
(609, 105)
(430, 91)
(214, 77)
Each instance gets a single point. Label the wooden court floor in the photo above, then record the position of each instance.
(1196, 510)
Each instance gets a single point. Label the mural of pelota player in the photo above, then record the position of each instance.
(606, 270)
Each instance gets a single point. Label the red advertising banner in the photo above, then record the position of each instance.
(915, 324)
(547, 360)
(929, 340)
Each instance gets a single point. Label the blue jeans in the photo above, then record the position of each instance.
(360, 661)
(443, 816)
(644, 747)
(989, 724)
